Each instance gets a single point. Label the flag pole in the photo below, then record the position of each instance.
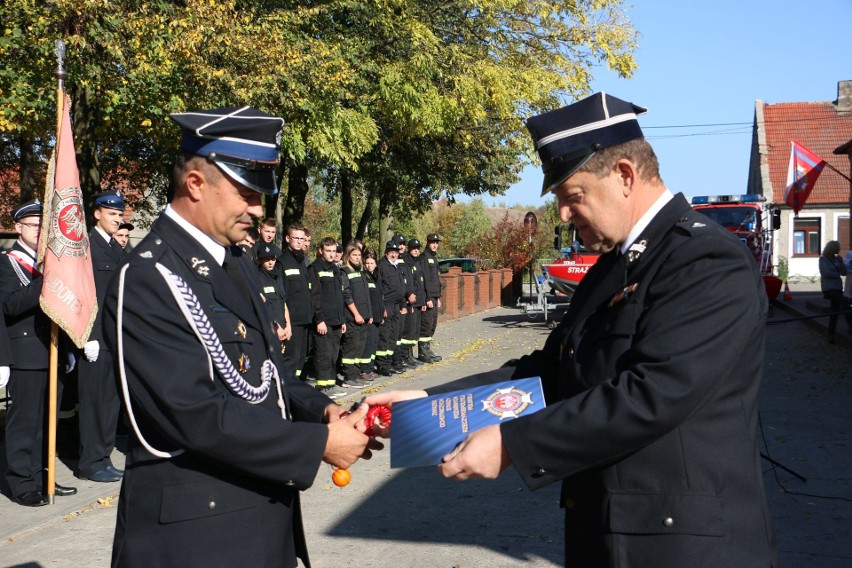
(54, 329)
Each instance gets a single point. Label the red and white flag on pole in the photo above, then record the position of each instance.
(68, 293)
(804, 169)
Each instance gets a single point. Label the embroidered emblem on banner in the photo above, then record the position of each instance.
(68, 227)
(507, 403)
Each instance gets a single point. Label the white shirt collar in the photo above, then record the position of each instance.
(646, 219)
(103, 233)
(216, 250)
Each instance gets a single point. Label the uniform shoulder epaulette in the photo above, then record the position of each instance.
(150, 251)
(692, 223)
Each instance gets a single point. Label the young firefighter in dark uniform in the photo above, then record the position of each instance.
(652, 376)
(411, 332)
(400, 358)
(272, 288)
(368, 359)
(96, 387)
(222, 441)
(392, 283)
(429, 318)
(28, 331)
(329, 314)
(358, 317)
(298, 290)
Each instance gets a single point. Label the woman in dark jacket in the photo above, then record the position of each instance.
(359, 317)
(831, 272)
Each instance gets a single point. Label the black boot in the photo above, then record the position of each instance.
(409, 357)
(426, 350)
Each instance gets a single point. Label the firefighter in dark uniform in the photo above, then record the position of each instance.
(222, 441)
(298, 290)
(400, 358)
(96, 387)
(272, 287)
(411, 331)
(392, 283)
(28, 332)
(429, 318)
(652, 376)
(358, 317)
(368, 359)
(329, 314)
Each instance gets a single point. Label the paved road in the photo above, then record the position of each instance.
(414, 518)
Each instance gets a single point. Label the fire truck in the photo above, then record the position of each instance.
(751, 219)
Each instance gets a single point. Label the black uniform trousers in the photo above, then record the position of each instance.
(371, 344)
(26, 423)
(325, 350)
(412, 326)
(428, 322)
(389, 335)
(98, 412)
(296, 349)
(352, 350)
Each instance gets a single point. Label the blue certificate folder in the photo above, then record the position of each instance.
(424, 430)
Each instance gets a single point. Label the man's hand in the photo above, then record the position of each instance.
(288, 332)
(429, 304)
(387, 399)
(480, 456)
(347, 441)
(321, 328)
(91, 350)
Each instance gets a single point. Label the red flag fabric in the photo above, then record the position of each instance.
(68, 293)
(804, 169)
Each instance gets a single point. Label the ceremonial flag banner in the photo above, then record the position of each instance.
(426, 429)
(804, 169)
(68, 292)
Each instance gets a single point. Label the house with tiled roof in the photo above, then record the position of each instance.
(821, 127)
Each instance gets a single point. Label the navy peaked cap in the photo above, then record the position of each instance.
(243, 142)
(414, 244)
(391, 245)
(566, 138)
(109, 199)
(125, 225)
(29, 208)
(433, 238)
(266, 250)
(398, 239)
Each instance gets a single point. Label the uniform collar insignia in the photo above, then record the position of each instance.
(636, 250)
(200, 266)
(623, 294)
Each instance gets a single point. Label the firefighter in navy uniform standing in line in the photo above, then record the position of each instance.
(97, 390)
(329, 314)
(222, 442)
(652, 387)
(400, 354)
(411, 332)
(358, 317)
(392, 284)
(298, 289)
(28, 332)
(429, 318)
(272, 287)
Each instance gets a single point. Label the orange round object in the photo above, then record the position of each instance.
(341, 477)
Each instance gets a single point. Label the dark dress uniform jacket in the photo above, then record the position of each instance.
(297, 286)
(105, 262)
(28, 328)
(431, 274)
(652, 378)
(231, 499)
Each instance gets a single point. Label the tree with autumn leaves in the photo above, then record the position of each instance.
(389, 105)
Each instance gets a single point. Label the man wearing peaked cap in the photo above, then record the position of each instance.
(242, 142)
(272, 288)
(224, 435)
(429, 318)
(652, 374)
(24, 362)
(97, 392)
(391, 281)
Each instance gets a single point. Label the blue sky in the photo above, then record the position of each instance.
(705, 63)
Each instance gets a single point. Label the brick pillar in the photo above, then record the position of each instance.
(450, 294)
(496, 286)
(508, 295)
(484, 287)
(467, 290)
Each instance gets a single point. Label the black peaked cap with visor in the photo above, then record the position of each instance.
(567, 138)
(243, 143)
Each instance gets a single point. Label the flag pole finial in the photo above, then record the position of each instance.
(59, 49)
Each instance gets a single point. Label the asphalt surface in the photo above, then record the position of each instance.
(415, 518)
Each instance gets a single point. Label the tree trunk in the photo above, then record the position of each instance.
(85, 125)
(366, 216)
(345, 182)
(297, 192)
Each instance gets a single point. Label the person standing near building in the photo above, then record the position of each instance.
(411, 331)
(652, 388)
(298, 290)
(272, 288)
(831, 273)
(329, 322)
(28, 332)
(223, 442)
(432, 282)
(392, 283)
(377, 304)
(358, 318)
(97, 391)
